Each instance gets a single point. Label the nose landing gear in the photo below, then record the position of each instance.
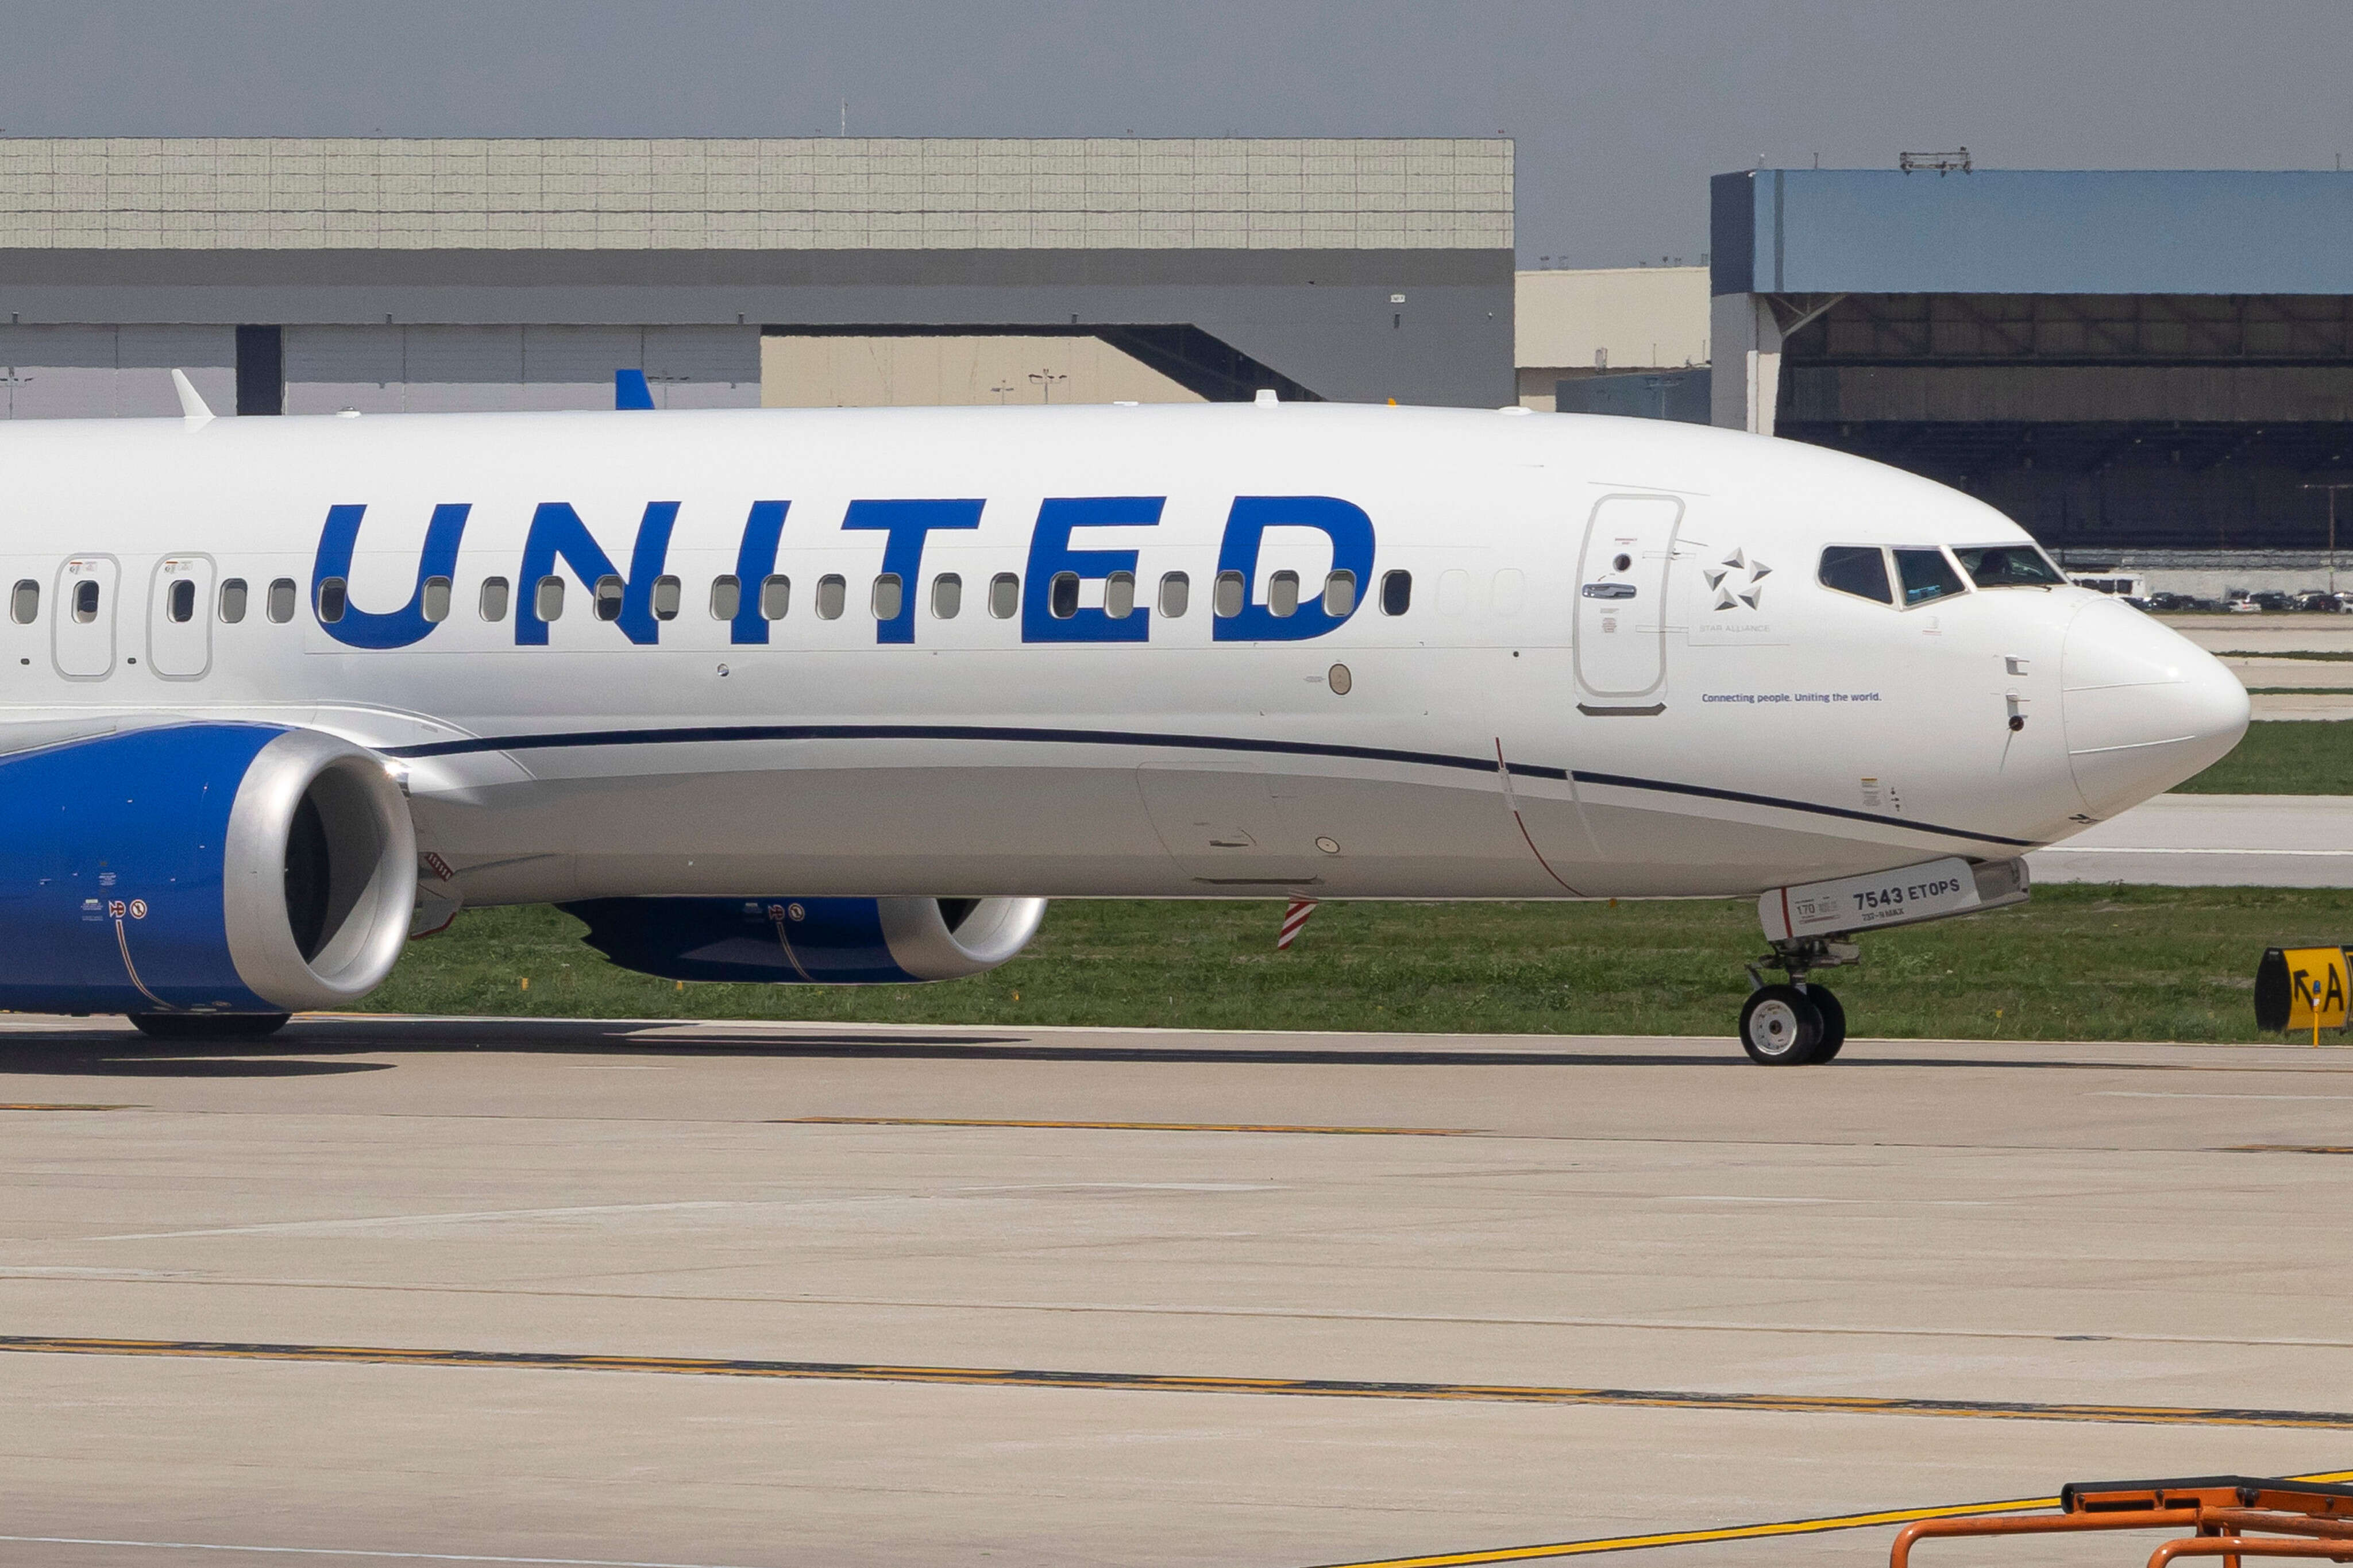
(1801, 1023)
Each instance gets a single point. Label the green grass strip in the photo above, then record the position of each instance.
(2077, 963)
(2284, 757)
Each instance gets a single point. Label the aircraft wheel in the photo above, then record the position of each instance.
(1833, 1021)
(1780, 1027)
(207, 1026)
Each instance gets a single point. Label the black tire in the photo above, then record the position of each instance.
(208, 1025)
(1833, 1022)
(1780, 1027)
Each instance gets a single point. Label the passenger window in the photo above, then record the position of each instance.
(1119, 596)
(1176, 591)
(281, 600)
(1926, 575)
(775, 597)
(1396, 593)
(1004, 595)
(947, 596)
(666, 598)
(890, 596)
(609, 594)
(436, 600)
(726, 598)
(1857, 569)
(1229, 595)
(24, 604)
(547, 599)
(832, 593)
(1340, 594)
(330, 600)
(2008, 566)
(180, 601)
(1063, 595)
(232, 601)
(85, 602)
(494, 600)
(1282, 594)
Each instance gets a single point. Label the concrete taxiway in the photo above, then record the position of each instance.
(2212, 841)
(760, 1295)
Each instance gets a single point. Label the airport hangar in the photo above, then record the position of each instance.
(2154, 360)
(309, 275)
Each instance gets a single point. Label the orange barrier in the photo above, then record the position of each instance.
(2229, 1517)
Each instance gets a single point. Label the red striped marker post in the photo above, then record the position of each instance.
(1293, 919)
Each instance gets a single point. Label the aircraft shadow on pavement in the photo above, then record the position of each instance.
(293, 1052)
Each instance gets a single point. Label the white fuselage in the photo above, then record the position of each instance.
(1542, 720)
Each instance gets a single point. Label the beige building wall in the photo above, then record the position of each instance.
(247, 193)
(823, 371)
(1583, 322)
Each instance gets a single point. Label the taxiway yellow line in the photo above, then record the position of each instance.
(1882, 1517)
(1125, 1126)
(1176, 1383)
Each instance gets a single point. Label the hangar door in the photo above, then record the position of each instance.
(1621, 599)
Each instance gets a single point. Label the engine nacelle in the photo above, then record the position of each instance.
(810, 941)
(200, 867)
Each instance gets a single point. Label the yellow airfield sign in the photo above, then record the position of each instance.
(2317, 987)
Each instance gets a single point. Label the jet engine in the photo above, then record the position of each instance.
(182, 872)
(810, 941)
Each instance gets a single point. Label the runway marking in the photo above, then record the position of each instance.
(345, 1551)
(1128, 1126)
(184, 1279)
(36, 1107)
(1179, 1383)
(1880, 1518)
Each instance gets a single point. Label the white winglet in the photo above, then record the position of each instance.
(192, 403)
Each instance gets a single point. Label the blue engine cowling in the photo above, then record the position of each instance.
(810, 941)
(199, 867)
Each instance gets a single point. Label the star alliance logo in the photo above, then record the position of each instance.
(1737, 580)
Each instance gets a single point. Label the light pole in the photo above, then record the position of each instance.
(2332, 490)
(1046, 380)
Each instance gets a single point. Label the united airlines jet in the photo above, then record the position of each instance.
(844, 696)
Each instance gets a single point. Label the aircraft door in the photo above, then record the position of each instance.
(1621, 601)
(179, 617)
(82, 629)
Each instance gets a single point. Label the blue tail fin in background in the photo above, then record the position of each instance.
(631, 391)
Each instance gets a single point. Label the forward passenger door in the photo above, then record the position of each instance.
(1621, 635)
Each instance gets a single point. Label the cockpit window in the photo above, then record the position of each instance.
(1926, 574)
(1857, 569)
(2008, 566)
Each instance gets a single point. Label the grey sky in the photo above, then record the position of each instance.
(1620, 110)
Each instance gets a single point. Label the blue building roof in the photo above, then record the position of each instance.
(2032, 231)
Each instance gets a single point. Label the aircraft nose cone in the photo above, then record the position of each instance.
(2145, 707)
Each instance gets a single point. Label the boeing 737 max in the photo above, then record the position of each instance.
(843, 696)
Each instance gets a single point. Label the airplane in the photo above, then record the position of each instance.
(845, 696)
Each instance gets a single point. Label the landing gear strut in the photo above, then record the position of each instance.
(1801, 1023)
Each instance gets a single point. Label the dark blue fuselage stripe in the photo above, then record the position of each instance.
(709, 735)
